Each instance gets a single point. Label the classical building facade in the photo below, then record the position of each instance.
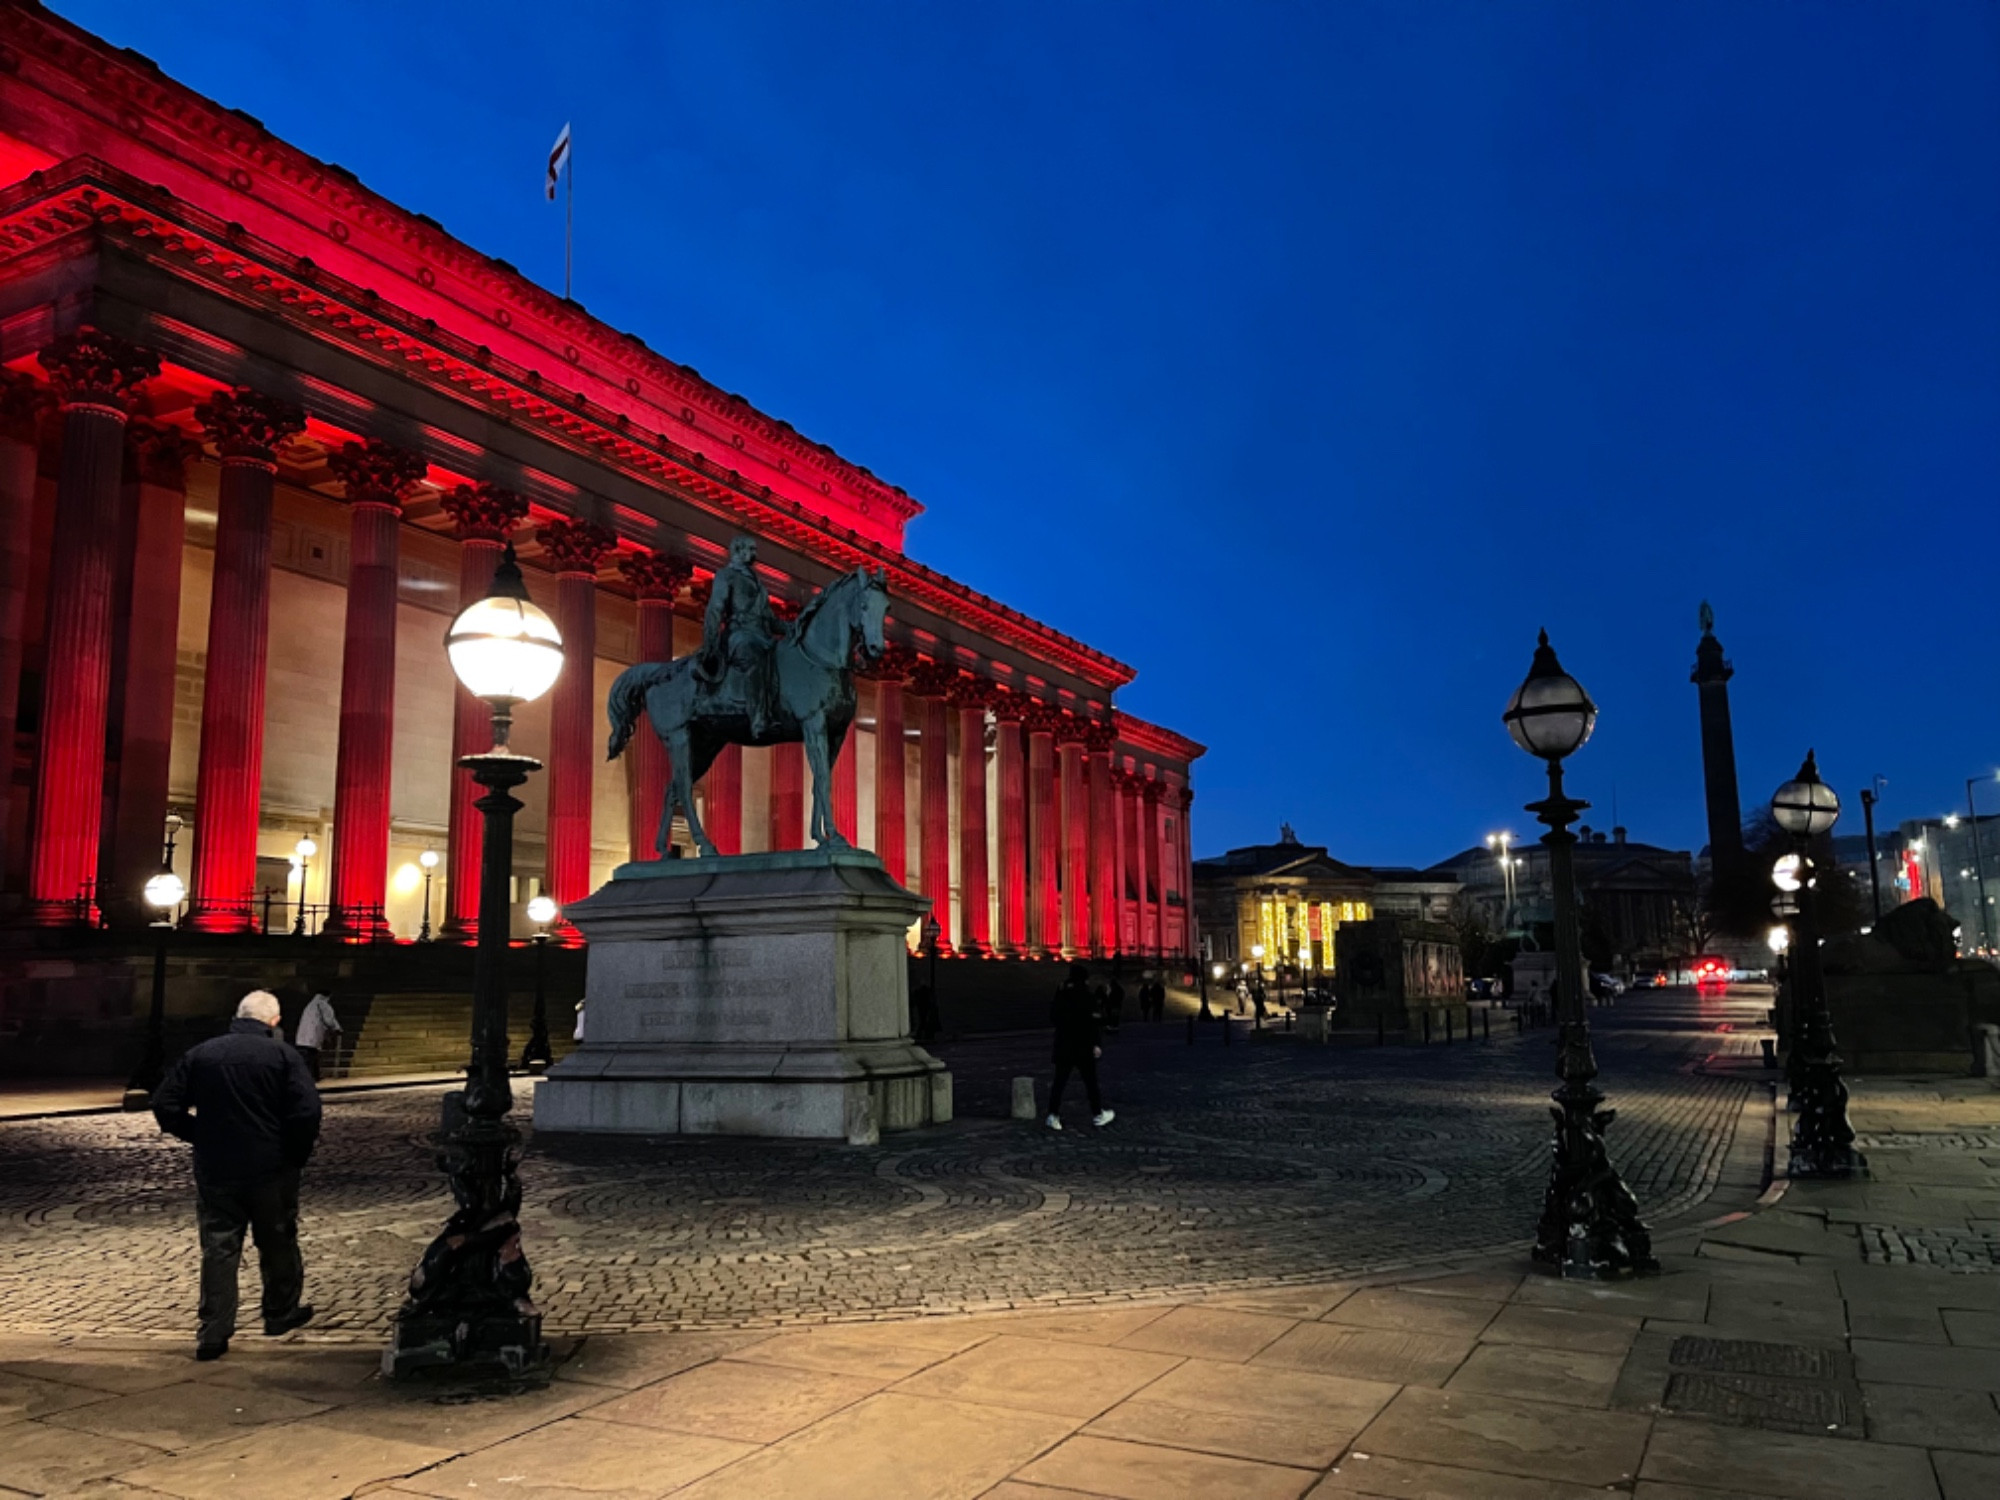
(262, 432)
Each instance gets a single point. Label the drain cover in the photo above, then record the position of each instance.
(1746, 1357)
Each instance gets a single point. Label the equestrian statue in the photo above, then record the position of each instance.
(755, 681)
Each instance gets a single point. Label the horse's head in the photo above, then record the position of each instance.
(874, 610)
(846, 616)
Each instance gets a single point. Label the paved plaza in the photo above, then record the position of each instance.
(1263, 1163)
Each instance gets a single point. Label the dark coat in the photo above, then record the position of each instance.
(246, 1103)
(1076, 1019)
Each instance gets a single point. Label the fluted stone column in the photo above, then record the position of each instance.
(21, 403)
(376, 477)
(1075, 820)
(144, 664)
(97, 378)
(1010, 765)
(656, 579)
(484, 518)
(1157, 869)
(890, 838)
(1044, 833)
(847, 790)
(574, 550)
(247, 429)
(1103, 842)
(1134, 849)
(787, 802)
(975, 920)
(930, 687)
(723, 817)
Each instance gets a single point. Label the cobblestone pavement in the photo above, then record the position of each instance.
(1264, 1163)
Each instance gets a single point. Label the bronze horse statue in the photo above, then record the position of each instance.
(814, 666)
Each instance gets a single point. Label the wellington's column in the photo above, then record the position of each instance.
(931, 685)
(891, 839)
(1075, 822)
(1044, 833)
(1718, 752)
(1103, 842)
(229, 777)
(1010, 765)
(656, 579)
(971, 694)
(376, 477)
(1149, 832)
(21, 402)
(574, 549)
(484, 517)
(147, 641)
(97, 378)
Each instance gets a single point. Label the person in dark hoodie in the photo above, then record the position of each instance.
(1077, 1018)
(246, 1103)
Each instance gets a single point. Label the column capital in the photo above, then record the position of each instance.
(247, 425)
(1099, 737)
(1042, 718)
(161, 454)
(1151, 790)
(974, 691)
(376, 473)
(656, 576)
(23, 399)
(574, 546)
(933, 679)
(1072, 730)
(98, 369)
(896, 663)
(485, 512)
(1009, 706)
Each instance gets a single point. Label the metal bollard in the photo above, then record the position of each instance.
(1024, 1098)
(1288, 1020)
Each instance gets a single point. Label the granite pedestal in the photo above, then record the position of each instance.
(758, 994)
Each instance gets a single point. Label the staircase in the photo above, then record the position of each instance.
(431, 1032)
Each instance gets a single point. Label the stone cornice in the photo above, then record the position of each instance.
(1154, 740)
(82, 197)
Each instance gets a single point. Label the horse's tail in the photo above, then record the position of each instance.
(628, 700)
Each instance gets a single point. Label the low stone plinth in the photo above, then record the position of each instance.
(760, 994)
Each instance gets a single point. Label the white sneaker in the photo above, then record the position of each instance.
(1053, 1123)
(1103, 1117)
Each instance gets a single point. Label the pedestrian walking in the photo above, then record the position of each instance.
(316, 1026)
(1114, 1005)
(1077, 1019)
(247, 1105)
(1156, 994)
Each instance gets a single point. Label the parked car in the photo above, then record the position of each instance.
(1482, 989)
(1607, 986)
(1708, 969)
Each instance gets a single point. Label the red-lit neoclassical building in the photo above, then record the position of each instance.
(261, 431)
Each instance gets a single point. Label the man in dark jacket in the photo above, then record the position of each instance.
(246, 1103)
(1077, 1018)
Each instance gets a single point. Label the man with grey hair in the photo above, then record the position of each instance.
(246, 1103)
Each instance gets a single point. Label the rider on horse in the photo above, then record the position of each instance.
(739, 631)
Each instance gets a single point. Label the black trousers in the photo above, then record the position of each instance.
(269, 1209)
(311, 1056)
(1085, 1066)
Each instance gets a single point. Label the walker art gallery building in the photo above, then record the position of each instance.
(261, 432)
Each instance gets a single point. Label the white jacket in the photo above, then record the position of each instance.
(318, 1020)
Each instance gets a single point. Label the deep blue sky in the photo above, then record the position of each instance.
(1306, 356)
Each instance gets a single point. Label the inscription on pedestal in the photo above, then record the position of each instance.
(706, 991)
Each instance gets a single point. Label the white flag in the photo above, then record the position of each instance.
(558, 159)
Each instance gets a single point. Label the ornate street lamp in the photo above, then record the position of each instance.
(164, 893)
(429, 860)
(1822, 1140)
(303, 851)
(541, 911)
(1590, 1220)
(468, 1312)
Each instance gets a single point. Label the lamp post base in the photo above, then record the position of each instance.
(468, 1316)
(1590, 1226)
(1822, 1140)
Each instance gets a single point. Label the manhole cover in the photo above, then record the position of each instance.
(1746, 1357)
(1757, 1401)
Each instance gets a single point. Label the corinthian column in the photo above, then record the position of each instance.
(574, 549)
(891, 842)
(1044, 833)
(931, 685)
(376, 477)
(1010, 765)
(656, 578)
(229, 779)
(1103, 800)
(1149, 832)
(21, 404)
(975, 919)
(97, 378)
(847, 790)
(1075, 820)
(484, 516)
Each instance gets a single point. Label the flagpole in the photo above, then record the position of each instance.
(569, 216)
